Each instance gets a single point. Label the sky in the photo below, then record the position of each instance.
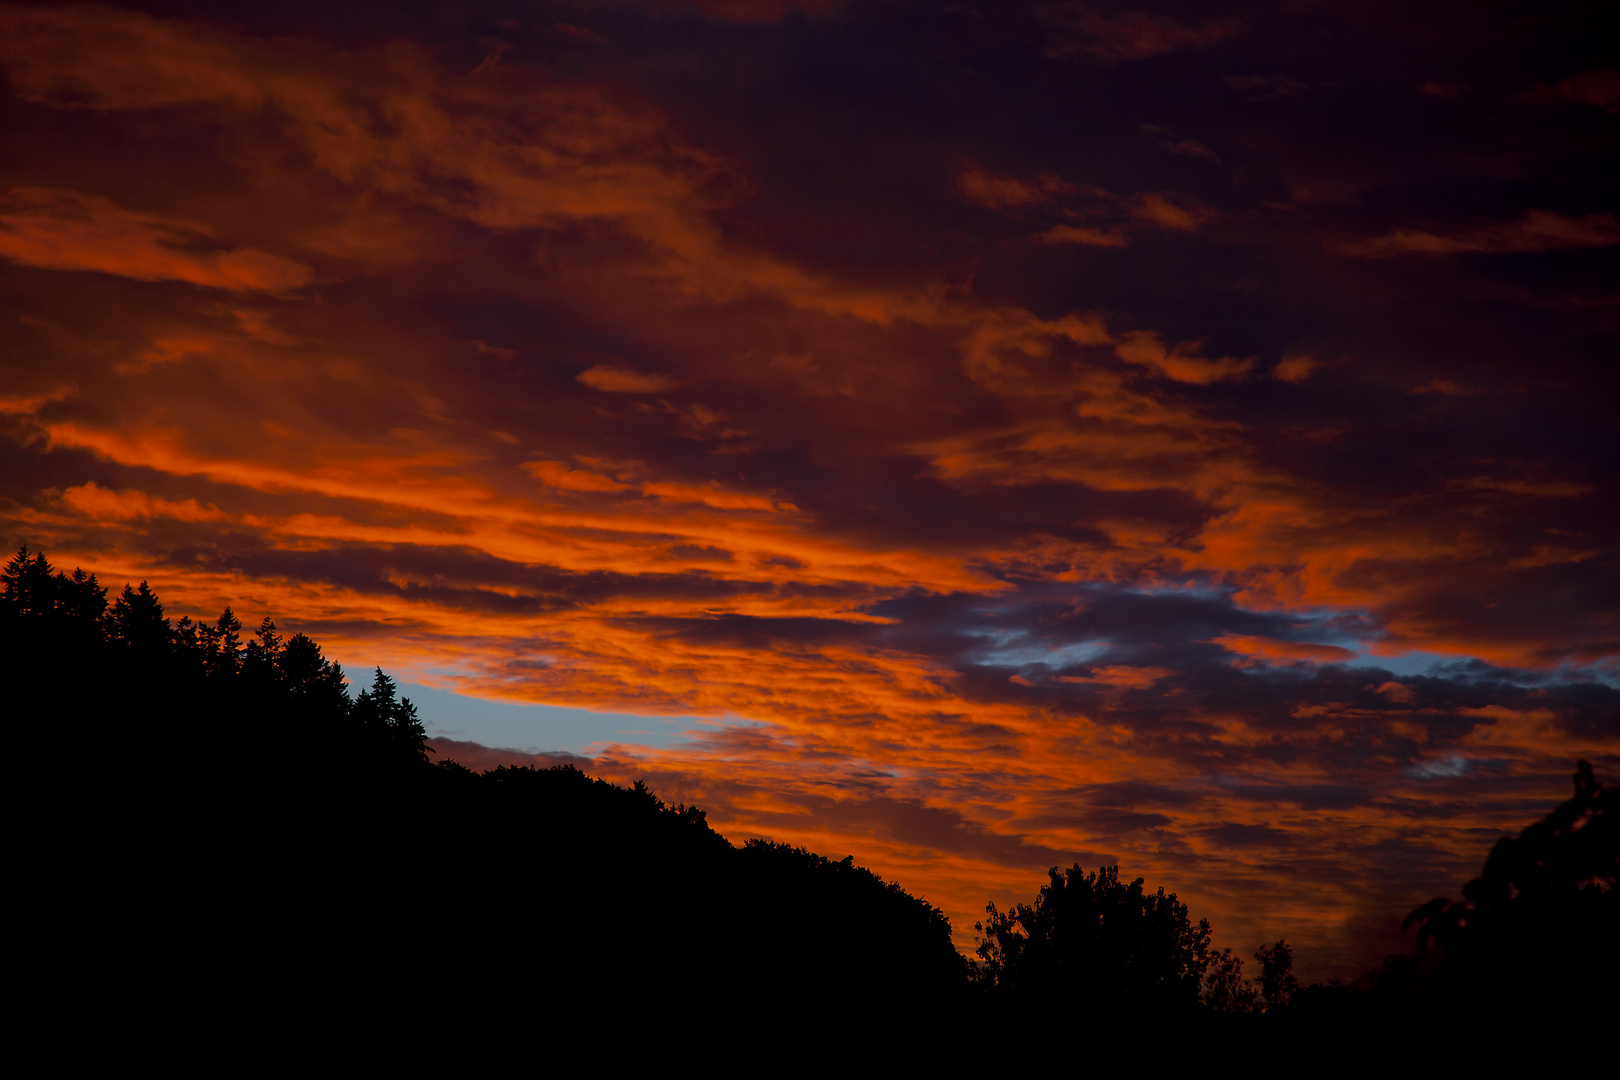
(971, 437)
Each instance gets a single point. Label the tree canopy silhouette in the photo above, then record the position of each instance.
(1094, 940)
(1542, 921)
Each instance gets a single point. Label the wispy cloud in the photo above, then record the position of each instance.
(1538, 230)
(995, 192)
(69, 230)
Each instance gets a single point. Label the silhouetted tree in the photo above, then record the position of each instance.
(1093, 939)
(48, 611)
(1277, 981)
(262, 652)
(311, 682)
(1225, 988)
(30, 590)
(392, 718)
(224, 647)
(1543, 918)
(137, 624)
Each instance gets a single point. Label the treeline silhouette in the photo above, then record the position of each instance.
(226, 807)
(219, 809)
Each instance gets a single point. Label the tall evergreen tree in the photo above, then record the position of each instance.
(382, 712)
(309, 680)
(137, 623)
(225, 657)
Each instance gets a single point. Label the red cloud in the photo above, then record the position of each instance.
(616, 380)
(997, 192)
(1263, 648)
(1600, 88)
(1538, 230)
(1296, 368)
(1160, 211)
(1181, 362)
(69, 230)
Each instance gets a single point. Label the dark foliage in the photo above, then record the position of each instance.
(1542, 921)
(1225, 988)
(1096, 942)
(232, 819)
(1277, 982)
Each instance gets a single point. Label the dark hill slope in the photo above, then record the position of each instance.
(225, 818)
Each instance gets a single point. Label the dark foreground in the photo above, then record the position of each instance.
(224, 843)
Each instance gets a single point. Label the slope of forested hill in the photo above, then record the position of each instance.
(221, 807)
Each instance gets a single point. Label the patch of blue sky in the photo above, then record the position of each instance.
(1448, 766)
(1435, 768)
(1015, 648)
(1416, 662)
(539, 729)
(1198, 588)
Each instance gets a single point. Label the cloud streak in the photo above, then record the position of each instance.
(69, 230)
(1538, 230)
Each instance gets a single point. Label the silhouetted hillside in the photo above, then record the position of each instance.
(232, 814)
(222, 822)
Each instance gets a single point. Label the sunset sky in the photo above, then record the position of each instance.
(973, 437)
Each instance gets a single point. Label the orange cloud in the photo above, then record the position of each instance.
(621, 381)
(1157, 210)
(69, 230)
(1120, 675)
(98, 503)
(1273, 649)
(1180, 362)
(712, 495)
(997, 192)
(1296, 368)
(556, 474)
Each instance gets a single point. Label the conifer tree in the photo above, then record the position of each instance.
(387, 716)
(137, 623)
(27, 585)
(225, 659)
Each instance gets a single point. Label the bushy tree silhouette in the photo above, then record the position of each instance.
(1096, 941)
(1542, 921)
(1225, 988)
(1277, 982)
